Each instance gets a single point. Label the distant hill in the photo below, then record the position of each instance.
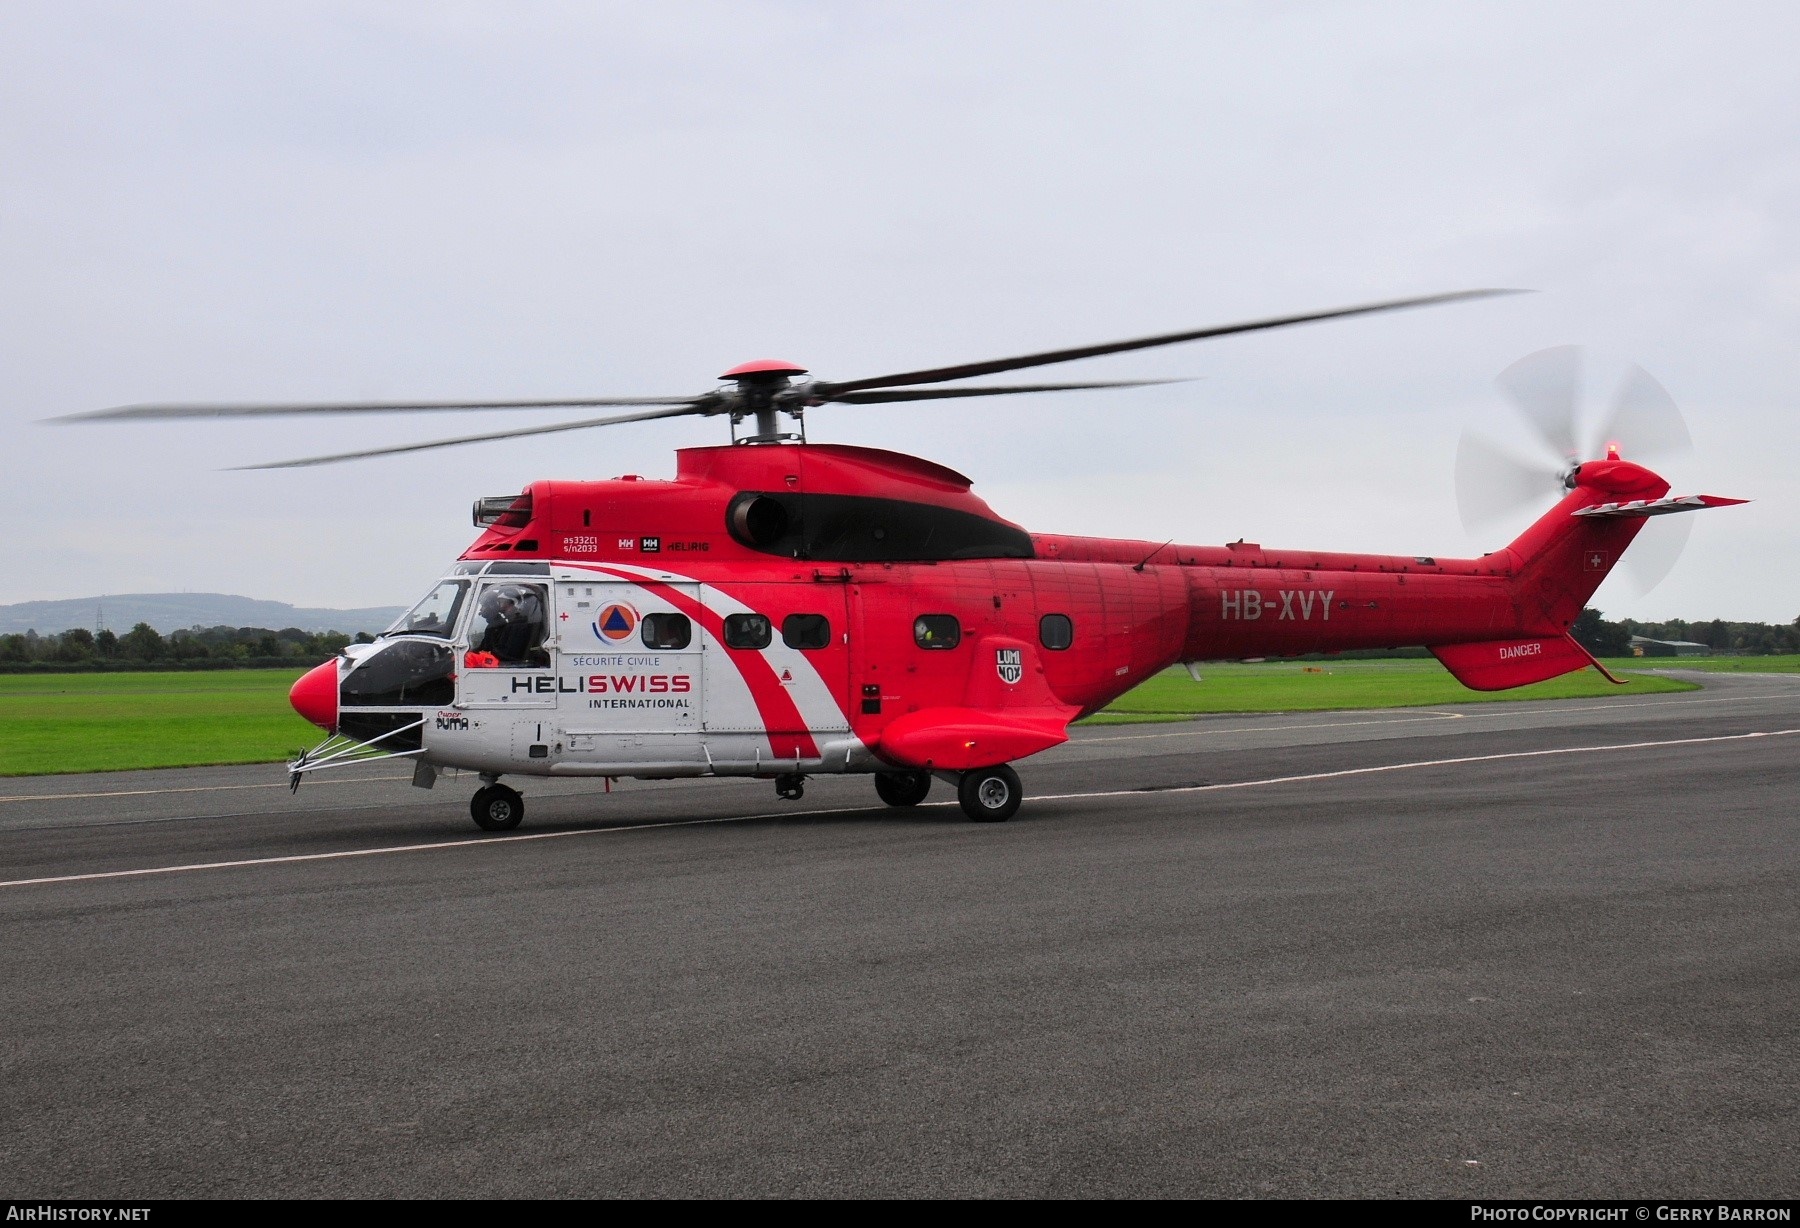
(168, 612)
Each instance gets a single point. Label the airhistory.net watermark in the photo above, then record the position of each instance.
(50, 1213)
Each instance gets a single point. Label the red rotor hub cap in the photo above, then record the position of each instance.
(763, 366)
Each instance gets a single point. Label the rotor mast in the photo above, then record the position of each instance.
(765, 390)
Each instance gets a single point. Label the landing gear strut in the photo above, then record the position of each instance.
(790, 786)
(989, 795)
(497, 808)
(902, 788)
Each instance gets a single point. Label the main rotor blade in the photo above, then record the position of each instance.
(1652, 553)
(934, 394)
(1644, 421)
(936, 375)
(153, 413)
(1491, 483)
(1543, 387)
(691, 407)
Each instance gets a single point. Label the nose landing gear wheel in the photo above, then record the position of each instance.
(790, 786)
(902, 788)
(497, 808)
(989, 795)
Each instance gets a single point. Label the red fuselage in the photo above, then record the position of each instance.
(874, 540)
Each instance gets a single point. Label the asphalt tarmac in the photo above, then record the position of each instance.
(1505, 950)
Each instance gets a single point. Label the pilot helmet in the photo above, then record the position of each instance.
(516, 595)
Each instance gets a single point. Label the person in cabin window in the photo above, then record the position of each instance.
(510, 627)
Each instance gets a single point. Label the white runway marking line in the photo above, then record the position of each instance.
(1628, 704)
(1188, 733)
(1492, 709)
(494, 841)
(1428, 715)
(274, 784)
(400, 848)
(1420, 763)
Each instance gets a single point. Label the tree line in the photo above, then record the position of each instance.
(1613, 639)
(144, 647)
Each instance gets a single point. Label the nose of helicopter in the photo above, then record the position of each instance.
(315, 695)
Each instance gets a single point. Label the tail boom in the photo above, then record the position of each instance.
(1496, 622)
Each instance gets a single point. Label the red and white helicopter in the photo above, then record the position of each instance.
(783, 609)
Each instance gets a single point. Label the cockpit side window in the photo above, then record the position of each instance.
(510, 624)
(436, 614)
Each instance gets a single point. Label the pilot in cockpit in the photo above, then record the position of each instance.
(515, 621)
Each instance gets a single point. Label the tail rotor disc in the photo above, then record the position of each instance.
(1642, 422)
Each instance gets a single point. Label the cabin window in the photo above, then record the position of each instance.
(937, 631)
(1056, 632)
(667, 631)
(748, 631)
(806, 631)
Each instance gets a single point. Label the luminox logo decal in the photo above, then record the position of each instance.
(616, 622)
(1010, 662)
(1521, 650)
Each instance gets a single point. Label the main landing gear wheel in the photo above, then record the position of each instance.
(902, 788)
(497, 808)
(989, 795)
(790, 786)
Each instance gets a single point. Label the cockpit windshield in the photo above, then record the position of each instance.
(436, 614)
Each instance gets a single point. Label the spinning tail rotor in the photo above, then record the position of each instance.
(1641, 423)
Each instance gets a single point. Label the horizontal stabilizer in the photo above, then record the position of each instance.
(1496, 665)
(1660, 507)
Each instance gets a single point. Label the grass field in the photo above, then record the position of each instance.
(109, 722)
(112, 722)
(1292, 686)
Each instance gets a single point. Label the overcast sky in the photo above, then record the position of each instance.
(323, 201)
